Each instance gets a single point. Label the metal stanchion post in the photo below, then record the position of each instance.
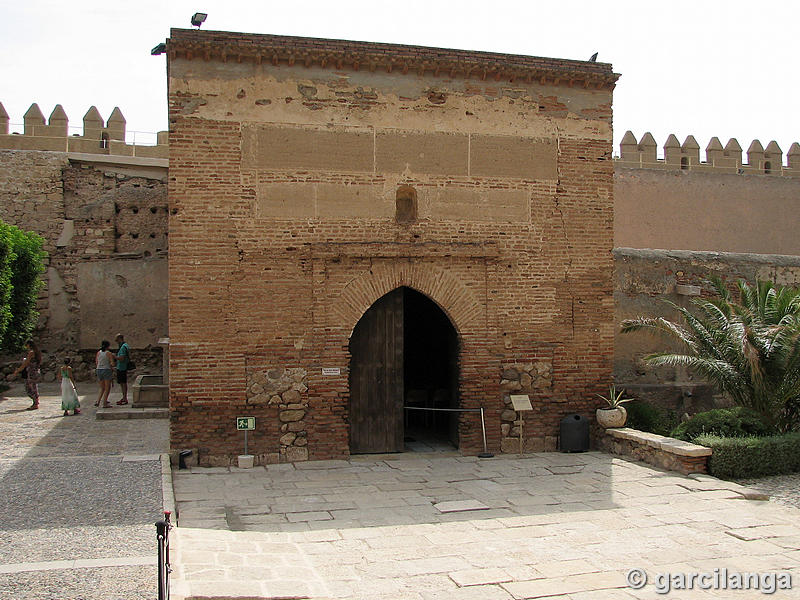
(485, 453)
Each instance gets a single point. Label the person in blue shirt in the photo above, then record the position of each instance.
(123, 360)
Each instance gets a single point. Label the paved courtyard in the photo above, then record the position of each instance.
(80, 497)
(566, 526)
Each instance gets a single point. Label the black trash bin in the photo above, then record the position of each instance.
(574, 434)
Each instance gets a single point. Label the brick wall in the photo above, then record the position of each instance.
(283, 183)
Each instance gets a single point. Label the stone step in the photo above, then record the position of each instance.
(127, 412)
(151, 403)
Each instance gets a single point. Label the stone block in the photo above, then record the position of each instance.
(296, 454)
(289, 416)
(509, 445)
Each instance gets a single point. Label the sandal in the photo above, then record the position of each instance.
(77, 411)
(97, 403)
(33, 406)
(106, 405)
(121, 402)
(66, 413)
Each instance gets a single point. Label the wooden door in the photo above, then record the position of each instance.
(376, 378)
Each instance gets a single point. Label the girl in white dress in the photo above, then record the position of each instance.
(69, 395)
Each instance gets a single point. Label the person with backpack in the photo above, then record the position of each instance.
(124, 364)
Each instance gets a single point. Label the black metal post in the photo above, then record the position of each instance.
(164, 569)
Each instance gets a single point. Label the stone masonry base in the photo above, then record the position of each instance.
(657, 450)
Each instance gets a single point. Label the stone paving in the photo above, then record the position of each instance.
(79, 499)
(566, 526)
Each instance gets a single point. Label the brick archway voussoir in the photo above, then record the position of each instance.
(452, 296)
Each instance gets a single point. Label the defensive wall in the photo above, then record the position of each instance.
(722, 204)
(101, 207)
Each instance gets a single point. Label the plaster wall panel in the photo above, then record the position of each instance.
(496, 206)
(267, 147)
(339, 201)
(422, 153)
(285, 201)
(518, 157)
(128, 296)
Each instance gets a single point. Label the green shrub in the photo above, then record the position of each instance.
(7, 256)
(723, 422)
(21, 265)
(646, 417)
(742, 457)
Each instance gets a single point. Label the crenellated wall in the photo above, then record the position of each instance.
(721, 205)
(686, 156)
(99, 136)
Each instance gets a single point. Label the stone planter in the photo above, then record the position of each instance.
(608, 418)
(246, 461)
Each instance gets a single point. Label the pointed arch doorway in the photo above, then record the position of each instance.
(404, 356)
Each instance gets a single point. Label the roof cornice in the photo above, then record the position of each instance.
(342, 55)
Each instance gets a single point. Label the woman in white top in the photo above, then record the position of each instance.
(104, 362)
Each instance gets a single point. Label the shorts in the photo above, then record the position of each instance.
(104, 374)
(122, 376)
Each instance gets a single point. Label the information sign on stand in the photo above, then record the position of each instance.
(521, 403)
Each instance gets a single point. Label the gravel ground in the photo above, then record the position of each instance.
(784, 489)
(76, 488)
(110, 583)
(81, 508)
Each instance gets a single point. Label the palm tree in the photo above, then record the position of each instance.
(750, 349)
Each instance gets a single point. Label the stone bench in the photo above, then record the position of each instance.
(657, 450)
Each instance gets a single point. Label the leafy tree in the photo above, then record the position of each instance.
(21, 264)
(749, 348)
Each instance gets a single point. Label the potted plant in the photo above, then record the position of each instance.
(613, 415)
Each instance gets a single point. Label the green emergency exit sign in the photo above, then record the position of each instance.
(245, 423)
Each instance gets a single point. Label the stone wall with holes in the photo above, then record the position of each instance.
(308, 178)
(105, 231)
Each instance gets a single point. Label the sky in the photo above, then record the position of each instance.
(700, 67)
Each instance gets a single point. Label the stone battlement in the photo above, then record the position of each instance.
(719, 159)
(99, 137)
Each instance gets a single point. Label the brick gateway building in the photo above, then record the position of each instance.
(357, 229)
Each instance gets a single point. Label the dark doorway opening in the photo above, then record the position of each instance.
(404, 359)
(430, 374)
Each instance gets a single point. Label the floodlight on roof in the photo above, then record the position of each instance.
(160, 49)
(198, 19)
